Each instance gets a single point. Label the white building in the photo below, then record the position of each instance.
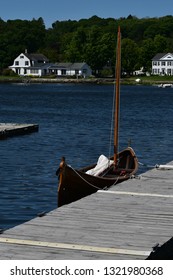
(71, 69)
(38, 65)
(30, 64)
(162, 64)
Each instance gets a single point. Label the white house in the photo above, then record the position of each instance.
(30, 64)
(38, 65)
(162, 64)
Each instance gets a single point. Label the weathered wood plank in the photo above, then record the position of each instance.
(133, 217)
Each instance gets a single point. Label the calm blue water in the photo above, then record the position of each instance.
(74, 122)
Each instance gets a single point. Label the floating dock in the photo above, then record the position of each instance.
(13, 129)
(122, 223)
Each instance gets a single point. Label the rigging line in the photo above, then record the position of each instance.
(116, 83)
(117, 94)
(112, 123)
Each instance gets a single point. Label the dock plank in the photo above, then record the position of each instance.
(124, 222)
(13, 129)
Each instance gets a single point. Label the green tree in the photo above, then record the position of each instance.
(147, 52)
(91, 40)
(74, 51)
(130, 55)
(160, 44)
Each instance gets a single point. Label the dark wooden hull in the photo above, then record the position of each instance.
(75, 184)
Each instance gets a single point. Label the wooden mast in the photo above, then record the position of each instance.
(117, 95)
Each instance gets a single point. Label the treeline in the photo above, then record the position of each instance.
(91, 40)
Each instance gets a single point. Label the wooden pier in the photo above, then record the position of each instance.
(122, 223)
(13, 129)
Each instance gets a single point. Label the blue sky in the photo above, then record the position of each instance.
(52, 10)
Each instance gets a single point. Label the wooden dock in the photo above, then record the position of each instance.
(13, 129)
(122, 223)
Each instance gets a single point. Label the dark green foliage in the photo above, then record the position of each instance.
(91, 40)
(18, 35)
(8, 72)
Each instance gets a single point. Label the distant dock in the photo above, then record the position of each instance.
(122, 223)
(13, 129)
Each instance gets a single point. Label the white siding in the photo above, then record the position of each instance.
(21, 61)
(163, 66)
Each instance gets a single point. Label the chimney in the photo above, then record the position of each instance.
(26, 51)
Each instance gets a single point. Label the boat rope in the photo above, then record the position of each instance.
(90, 183)
(114, 182)
(147, 165)
(84, 179)
(157, 166)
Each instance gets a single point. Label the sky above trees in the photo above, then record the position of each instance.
(53, 10)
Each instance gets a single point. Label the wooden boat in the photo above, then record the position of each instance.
(75, 184)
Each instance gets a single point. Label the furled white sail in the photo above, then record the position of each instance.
(102, 164)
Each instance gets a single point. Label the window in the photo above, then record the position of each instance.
(26, 63)
(34, 71)
(16, 62)
(169, 63)
(18, 71)
(21, 56)
(163, 63)
(169, 72)
(63, 72)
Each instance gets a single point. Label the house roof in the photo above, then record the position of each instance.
(40, 66)
(159, 56)
(64, 64)
(78, 65)
(67, 65)
(37, 57)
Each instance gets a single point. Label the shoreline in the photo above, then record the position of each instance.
(56, 80)
(124, 81)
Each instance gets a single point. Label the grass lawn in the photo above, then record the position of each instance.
(150, 79)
